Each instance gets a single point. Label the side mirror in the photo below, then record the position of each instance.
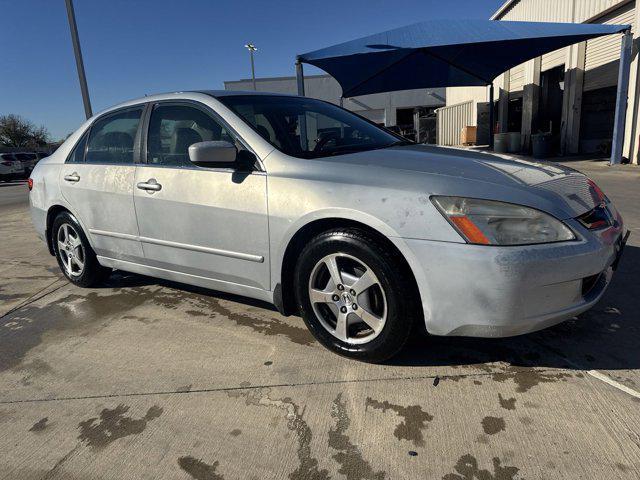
(212, 152)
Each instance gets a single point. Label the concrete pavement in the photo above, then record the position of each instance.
(147, 379)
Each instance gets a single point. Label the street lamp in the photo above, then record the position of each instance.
(252, 48)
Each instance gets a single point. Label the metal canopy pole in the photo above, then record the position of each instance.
(300, 78)
(79, 63)
(621, 98)
(303, 118)
(491, 116)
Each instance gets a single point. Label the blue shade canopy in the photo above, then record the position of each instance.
(444, 53)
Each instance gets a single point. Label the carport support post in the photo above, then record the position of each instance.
(491, 116)
(303, 118)
(621, 98)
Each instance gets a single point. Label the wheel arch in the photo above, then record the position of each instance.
(52, 213)
(284, 296)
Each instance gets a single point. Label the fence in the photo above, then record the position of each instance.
(451, 120)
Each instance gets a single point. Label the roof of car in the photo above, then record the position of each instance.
(228, 93)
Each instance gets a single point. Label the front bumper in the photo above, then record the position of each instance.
(483, 291)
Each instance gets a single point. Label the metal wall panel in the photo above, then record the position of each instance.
(556, 10)
(516, 78)
(603, 54)
(553, 59)
(451, 120)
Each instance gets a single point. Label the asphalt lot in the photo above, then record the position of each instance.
(146, 379)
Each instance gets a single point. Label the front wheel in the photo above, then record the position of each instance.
(75, 256)
(354, 295)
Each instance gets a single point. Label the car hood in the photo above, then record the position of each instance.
(544, 179)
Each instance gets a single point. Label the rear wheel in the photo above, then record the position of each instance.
(354, 295)
(76, 258)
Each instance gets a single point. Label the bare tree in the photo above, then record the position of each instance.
(19, 132)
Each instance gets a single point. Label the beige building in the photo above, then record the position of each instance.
(570, 93)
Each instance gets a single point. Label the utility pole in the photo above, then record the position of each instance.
(252, 48)
(78, 54)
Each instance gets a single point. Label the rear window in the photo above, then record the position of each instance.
(7, 156)
(23, 156)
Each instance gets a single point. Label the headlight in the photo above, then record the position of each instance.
(487, 222)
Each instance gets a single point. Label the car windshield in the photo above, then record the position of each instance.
(330, 130)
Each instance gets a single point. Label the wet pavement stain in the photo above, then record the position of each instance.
(415, 420)
(40, 425)
(23, 329)
(308, 467)
(352, 465)
(198, 469)
(493, 425)
(526, 379)
(271, 326)
(114, 425)
(507, 403)
(467, 469)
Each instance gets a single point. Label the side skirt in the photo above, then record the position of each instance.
(198, 281)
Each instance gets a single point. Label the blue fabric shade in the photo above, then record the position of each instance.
(444, 53)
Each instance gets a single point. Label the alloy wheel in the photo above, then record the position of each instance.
(347, 298)
(71, 250)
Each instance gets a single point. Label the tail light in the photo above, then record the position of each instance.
(7, 164)
(30, 183)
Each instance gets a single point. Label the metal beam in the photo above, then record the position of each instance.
(302, 118)
(300, 78)
(621, 98)
(491, 113)
(78, 54)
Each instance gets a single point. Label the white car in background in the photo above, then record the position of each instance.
(28, 159)
(10, 167)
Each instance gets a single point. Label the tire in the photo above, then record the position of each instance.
(391, 301)
(72, 248)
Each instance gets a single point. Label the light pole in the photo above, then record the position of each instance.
(79, 63)
(252, 48)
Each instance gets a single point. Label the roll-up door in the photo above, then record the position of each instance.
(553, 59)
(516, 78)
(603, 53)
(375, 115)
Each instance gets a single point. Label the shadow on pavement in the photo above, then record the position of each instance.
(604, 338)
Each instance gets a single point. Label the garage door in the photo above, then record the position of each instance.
(553, 59)
(603, 54)
(516, 78)
(375, 115)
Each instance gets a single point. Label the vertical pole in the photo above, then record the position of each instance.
(78, 54)
(303, 118)
(300, 78)
(253, 71)
(621, 98)
(491, 116)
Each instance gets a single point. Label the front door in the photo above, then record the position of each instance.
(97, 181)
(205, 222)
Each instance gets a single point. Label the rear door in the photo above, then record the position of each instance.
(97, 181)
(205, 222)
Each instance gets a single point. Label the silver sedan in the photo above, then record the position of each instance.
(303, 204)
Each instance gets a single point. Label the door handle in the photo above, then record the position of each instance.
(150, 185)
(74, 177)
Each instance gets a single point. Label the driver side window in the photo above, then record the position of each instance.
(173, 128)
